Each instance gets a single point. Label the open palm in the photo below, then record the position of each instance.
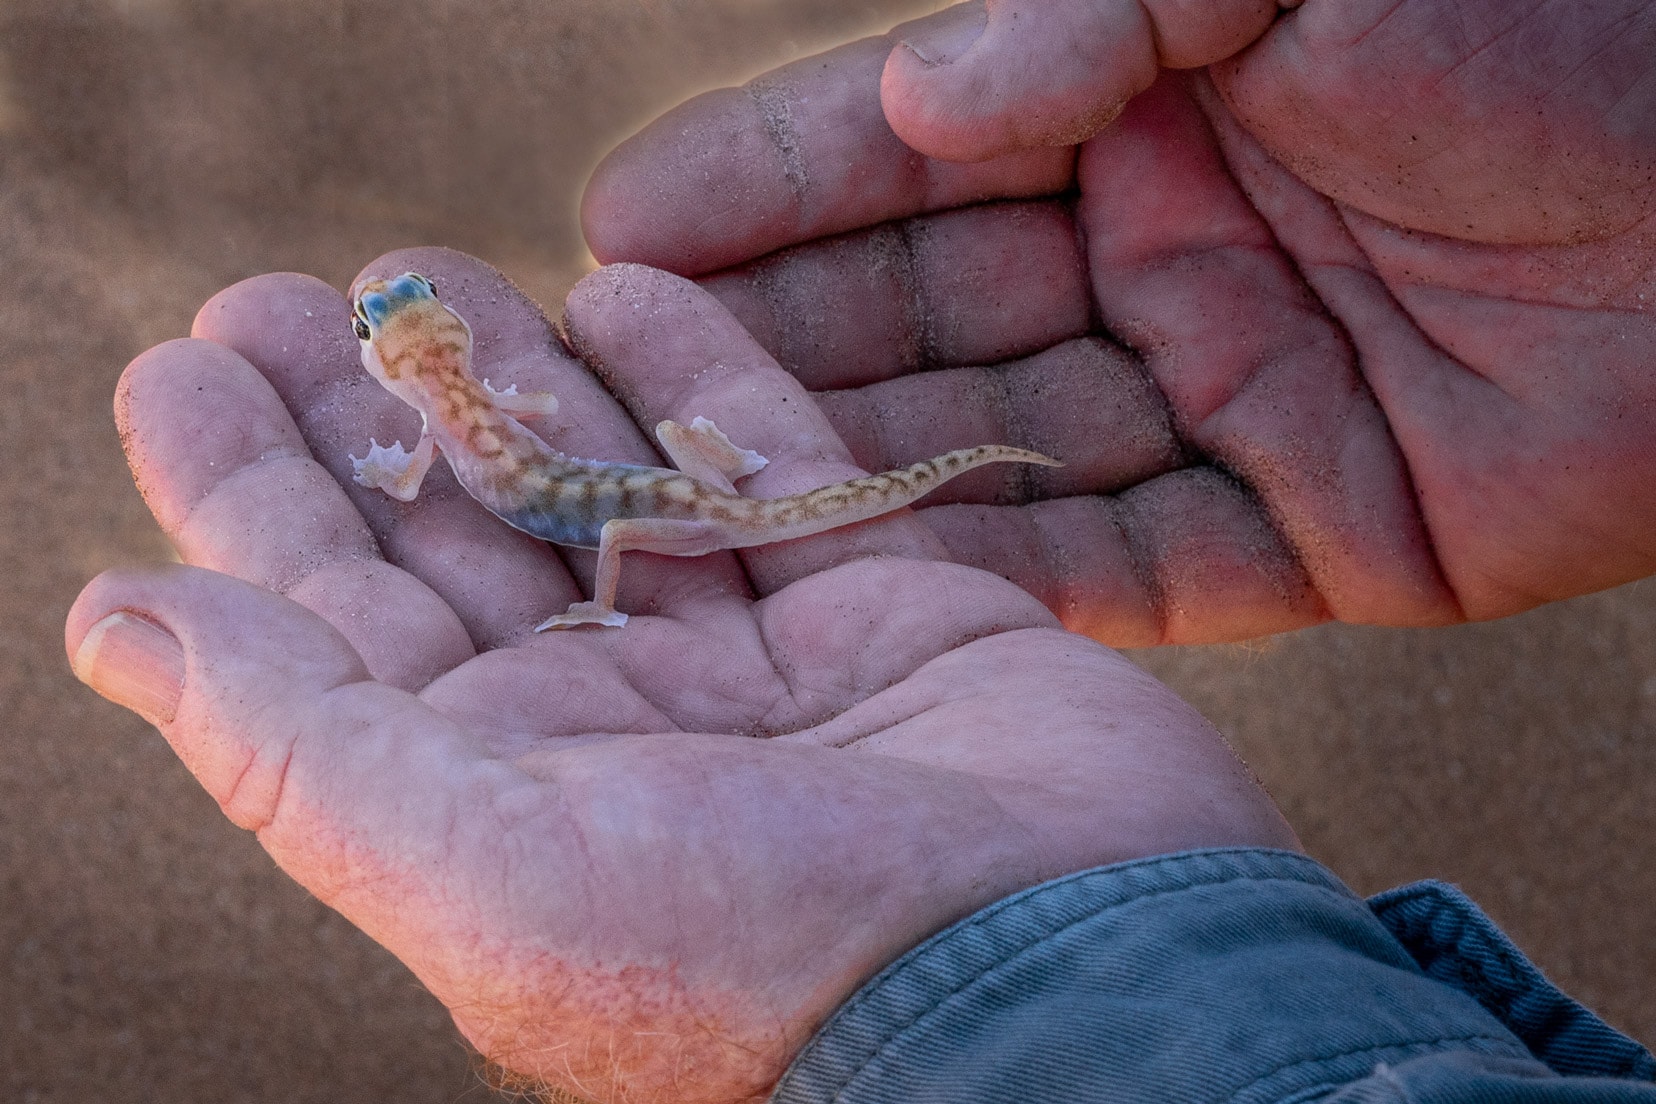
(641, 863)
(1355, 322)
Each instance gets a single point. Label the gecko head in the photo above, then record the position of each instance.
(405, 329)
(379, 300)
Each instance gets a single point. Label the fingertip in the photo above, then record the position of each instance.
(695, 190)
(945, 38)
(250, 630)
(611, 200)
(293, 328)
(628, 279)
(254, 303)
(970, 84)
(615, 295)
(927, 90)
(650, 332)
(156, 361)
(190, 413)
(931, 117)
(129, 658)
(221, 666)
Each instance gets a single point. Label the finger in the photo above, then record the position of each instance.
(985, 79)
(1189, 557)
(1260, 377)
(971, 286)
(234, 486)
(674, 352)
(801, 152)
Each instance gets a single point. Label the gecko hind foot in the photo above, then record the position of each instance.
(584, 613)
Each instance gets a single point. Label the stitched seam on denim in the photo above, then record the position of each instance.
(1412, 1048)
(1501, 996)
(992, 912)
(1037, 939)
(1470, 972)
(898, 1030)
(1474, 975)
(866, 995)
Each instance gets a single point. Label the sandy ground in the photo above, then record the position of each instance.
(153, 151)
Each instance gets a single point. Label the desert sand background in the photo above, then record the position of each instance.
(153, 151)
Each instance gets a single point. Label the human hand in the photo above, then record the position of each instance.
(639, 864)
(1355, 323)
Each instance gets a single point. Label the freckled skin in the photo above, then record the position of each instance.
(420, 350)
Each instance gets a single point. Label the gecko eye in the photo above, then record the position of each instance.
(362, 331)
(430, 285)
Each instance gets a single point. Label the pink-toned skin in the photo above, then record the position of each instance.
(421, 351)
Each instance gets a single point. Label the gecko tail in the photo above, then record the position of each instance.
(940, 469)
(1002, 454)
(870, 496)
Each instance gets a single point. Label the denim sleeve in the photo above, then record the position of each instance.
(1234, 975)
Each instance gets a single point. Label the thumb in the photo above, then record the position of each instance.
(223, 668)
(360, 792)
(989, 77)
(268, 706)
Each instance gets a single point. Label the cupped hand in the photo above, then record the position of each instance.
(1348, 314)
(636, 864)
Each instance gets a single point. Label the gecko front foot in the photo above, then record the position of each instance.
(584, 613)
(383, 468)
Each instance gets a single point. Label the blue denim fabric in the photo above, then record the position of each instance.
(1235, 975)
(1451, 940)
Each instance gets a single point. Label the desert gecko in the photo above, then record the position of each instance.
(421, 351)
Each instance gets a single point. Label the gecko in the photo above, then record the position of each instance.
(420, 350)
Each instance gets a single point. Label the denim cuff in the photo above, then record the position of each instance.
(1241, 975)
(1451, 939)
